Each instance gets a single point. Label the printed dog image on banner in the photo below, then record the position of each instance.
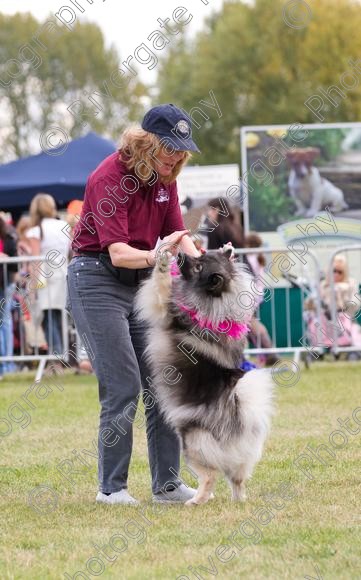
(293, 171)
(311, 192)
(195, 345)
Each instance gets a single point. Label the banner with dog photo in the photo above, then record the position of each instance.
(291, 173)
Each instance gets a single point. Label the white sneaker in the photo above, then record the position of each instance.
(118, 497)
(181, 494)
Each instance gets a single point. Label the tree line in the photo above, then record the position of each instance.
(262, 66)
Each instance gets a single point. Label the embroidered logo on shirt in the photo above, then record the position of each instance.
(162, 195)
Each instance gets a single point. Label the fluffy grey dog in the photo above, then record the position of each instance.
(195, 343)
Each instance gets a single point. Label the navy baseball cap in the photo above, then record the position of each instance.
(172, 125)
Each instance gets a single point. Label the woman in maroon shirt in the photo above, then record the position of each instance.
(130, 202)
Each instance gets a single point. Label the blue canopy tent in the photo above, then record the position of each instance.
(64, 175)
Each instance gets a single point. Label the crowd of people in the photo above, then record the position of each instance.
(339, 295)
(33, 294)
(32, 322)
(228, 227)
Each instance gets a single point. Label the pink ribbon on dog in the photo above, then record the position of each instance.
(174, 269)
(234, 330)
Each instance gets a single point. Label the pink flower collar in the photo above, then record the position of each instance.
(230, 328)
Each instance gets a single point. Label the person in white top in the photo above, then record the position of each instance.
(47, 238)
(258, 335)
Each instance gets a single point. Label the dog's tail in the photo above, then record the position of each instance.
(256, 396)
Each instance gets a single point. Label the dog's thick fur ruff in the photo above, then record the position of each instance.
(221, 414)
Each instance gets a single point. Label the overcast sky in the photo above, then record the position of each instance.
(126, 24)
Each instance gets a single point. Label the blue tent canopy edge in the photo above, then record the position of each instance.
(63, 175)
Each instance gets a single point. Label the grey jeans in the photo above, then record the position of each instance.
(102, 309)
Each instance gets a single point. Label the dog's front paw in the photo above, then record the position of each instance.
(163, 261)
(191, 503)
(200, 500)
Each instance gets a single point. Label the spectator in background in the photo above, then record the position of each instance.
(228, 230)
(23, 243)
(345, 287)
(34, 334)
(46, 235)
(346, 290)
(7, 288)
(73, 212)
(8, 219)
(256, 262)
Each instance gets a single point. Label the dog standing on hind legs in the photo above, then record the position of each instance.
(195, 343)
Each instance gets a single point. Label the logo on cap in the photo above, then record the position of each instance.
(183, 129)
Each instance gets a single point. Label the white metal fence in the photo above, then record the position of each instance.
(291, 315)
(27, 331)
(294, 312)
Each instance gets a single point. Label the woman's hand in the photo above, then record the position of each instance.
(170, 243)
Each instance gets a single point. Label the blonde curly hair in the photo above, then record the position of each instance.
(138, 150)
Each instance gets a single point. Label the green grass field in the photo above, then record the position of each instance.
(53, 531)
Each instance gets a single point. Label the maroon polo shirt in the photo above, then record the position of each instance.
(119, 208)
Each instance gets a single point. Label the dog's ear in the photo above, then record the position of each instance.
(292, 156)
(228, 250)
(310, 154)
(215, 284)
(313, 152)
